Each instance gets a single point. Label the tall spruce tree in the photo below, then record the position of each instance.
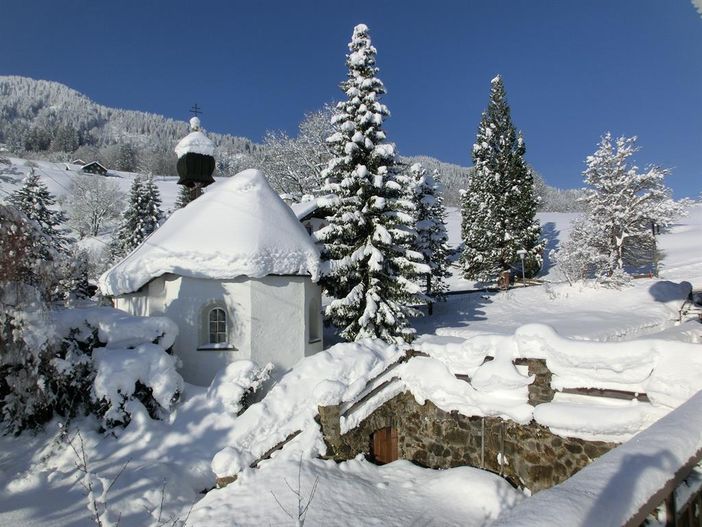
(499, 206)
(140, 219)
(34, 200)
(432, 239)
(369, 263)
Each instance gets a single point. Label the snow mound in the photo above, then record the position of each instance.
(196, 142)
(341, 376)
(504, 394)
(356, 492)
(669, 372)
(240, 227)
(329, 377)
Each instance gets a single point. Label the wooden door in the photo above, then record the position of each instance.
(384, 445)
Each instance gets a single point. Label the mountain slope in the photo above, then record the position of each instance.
(38, 113)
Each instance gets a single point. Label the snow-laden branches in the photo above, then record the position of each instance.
(93, 203)
(624, 207)
(294, 165)
(499, 206)
(368, 240)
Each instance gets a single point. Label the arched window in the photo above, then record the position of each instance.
(218, 326)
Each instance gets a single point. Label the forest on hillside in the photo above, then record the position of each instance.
(47, 120)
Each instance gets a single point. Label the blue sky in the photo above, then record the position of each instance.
(572, 70)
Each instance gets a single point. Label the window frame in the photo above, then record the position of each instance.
(206, 342)
(218, 332)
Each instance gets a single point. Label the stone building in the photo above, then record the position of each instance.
(398, 426)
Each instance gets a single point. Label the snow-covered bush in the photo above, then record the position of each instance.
(67, 362)
(234, 387)
(24, 344)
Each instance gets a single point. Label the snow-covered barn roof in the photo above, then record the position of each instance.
(240, 227)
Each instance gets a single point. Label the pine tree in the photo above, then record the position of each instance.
(184, 197)
(34, 200)
(621, 204)
(432, 239)
(499, 207)
(369, 265)
(140, 219)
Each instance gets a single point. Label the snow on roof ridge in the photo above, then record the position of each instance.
(239, 227)
(196, 142)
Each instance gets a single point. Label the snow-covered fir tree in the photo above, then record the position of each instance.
(34, 200)
(184, 197)
(621, 206)
(370, 267)
(499, 206)
(432, 239)
(141, 218)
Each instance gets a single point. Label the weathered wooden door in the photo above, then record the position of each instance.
(384, 445)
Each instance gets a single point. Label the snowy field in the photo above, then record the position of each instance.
(58, 179)
(162, 472)
(58, 176)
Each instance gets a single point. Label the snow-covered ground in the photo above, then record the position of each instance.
(58, 177)
(359, 493)
(169, 464)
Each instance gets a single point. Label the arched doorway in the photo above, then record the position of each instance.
(383, 444)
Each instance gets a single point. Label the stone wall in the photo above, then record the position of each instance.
(528, 456)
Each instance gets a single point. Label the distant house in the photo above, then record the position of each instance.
(78, 161)
(94, 168)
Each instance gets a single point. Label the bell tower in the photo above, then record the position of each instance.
(196, 161)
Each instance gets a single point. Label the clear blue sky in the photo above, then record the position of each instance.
(572, 70)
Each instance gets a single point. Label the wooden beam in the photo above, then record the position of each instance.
(663, 494)
(610, 394)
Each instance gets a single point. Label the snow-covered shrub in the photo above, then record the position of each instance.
(234, 387)
(24, 331)
(67, 362)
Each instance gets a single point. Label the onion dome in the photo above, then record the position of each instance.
(196, 162)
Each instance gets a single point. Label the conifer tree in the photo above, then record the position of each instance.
(140, 219)
(621, 205)
(184, 197)
(369, 266)
(34, 200)
(499, 206)
(432, 239)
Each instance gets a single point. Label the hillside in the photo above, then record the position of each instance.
(46, 116)
(48, 120)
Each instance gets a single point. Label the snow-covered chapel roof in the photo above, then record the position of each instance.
(239, 227)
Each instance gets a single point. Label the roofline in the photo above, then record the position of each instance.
(307, 275)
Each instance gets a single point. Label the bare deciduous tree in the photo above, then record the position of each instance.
(294, 164)
(93, 202)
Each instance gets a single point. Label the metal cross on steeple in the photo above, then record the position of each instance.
(195, 110)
